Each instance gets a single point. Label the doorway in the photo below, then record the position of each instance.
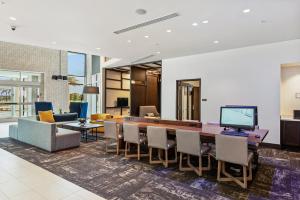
(188, 95)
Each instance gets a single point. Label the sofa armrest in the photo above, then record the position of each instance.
(37, 133)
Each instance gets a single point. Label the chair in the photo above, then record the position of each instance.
(157, 138)
(112, 132)
(132, 135)
(188, 142)
(233, 149)
(42, 106)
(98, 119)
(144, 110)
(80, 108)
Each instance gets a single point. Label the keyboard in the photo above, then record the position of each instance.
(235, 133)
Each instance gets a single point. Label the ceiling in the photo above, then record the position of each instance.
(85, 25)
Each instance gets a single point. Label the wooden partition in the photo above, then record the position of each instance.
(117, 84)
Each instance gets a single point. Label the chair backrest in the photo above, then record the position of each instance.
(80, 108)
(148, 109)
(131, 133)
(42, 106)
(188, 142)
(233, 149)
(157, 137)
(110, 130)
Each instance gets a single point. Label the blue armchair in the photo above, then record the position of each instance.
(42, 106)
(80, 108)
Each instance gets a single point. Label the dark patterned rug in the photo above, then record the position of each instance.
(114, 177)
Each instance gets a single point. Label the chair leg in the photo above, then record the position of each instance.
(200, 166)
(241, 181)
(139, 151)
(245, 177)
(150, 155)
(166, 159)
(118, 148)
(219, 170)
(126, 149)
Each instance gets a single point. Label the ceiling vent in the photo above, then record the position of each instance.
(142, 59)
(147, 23)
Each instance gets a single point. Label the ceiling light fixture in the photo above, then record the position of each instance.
(246, 10)
(205, 22)
(12, 18)
(216, 41)
(141, 11)
(98, 48)
(53, 42)
(158, 52)
(169, 31)
(129, 41)
(146, 36)
(195, 24)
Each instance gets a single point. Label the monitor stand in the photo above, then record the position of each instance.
(235, 132)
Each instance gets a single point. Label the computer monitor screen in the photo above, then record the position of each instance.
(122, 102)
(255, 111)
(238, 117)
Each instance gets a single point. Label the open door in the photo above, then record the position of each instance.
(188, 99)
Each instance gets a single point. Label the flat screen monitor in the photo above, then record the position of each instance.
(255, 111)
(242, 117)
(122, 102)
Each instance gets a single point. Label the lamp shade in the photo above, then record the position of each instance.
(90, 90)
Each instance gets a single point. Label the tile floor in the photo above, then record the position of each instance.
(22, 180)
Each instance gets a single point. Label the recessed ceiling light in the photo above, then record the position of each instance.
(98, 48)
(146, 36)
(158, 52)
(169, 31)
(129, 41)
(195, 24)
(246, 10)
(216, 41)
(205, 22)
(53, 42)
(13, 18)
(141, 11)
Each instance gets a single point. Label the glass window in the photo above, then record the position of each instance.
(76, 64)
(76, 75)
(31, 76)
(17, 97)
(9, 75)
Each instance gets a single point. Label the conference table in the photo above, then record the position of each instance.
(206, 131)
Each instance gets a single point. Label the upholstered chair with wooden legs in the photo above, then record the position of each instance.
(112, 132)
(157, 138)
(132, 135)
(233, 149)
(188, 142)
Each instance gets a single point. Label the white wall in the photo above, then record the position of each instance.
(290, 85)
(249, 76)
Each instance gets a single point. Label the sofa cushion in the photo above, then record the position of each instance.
(46, 116)
(67, 139)
(65, 117)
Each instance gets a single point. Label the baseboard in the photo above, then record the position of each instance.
(271, 145)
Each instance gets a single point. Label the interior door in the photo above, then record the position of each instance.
(188, 100)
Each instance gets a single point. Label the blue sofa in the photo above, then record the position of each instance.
(45, 106)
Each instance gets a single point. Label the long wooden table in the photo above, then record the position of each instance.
(206, 131)
(255, 137)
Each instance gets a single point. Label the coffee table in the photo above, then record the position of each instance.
(84, 129)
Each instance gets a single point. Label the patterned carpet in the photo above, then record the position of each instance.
(114, 177)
